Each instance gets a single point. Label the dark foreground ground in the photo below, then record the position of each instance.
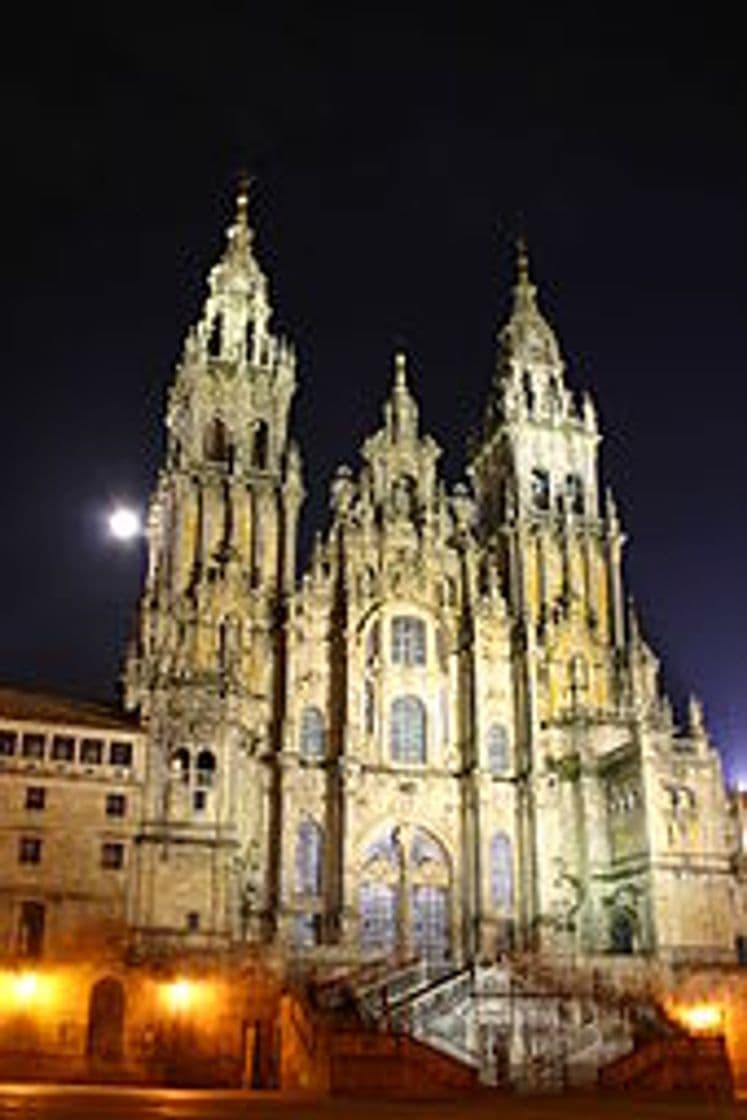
(47, 1102)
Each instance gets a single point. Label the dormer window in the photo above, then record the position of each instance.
(540, 489)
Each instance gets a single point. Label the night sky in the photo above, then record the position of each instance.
(395, 154)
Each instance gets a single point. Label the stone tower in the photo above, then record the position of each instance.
(207, 669)
(559, 558)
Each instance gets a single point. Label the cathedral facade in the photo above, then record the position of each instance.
(447, 739)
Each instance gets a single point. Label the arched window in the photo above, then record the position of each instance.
(260, 445)
(407, 729)
(501, 871)
(497, 743)
(312, 742)
(408, 641)
(249, 340)
(622, 933)
(215, 338)
(180, 764)
(309, 851)
(540, 489)
(205, 768)
(217, 444)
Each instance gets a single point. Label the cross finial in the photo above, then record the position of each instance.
(522, 261)
(400, 368)
(242, 200)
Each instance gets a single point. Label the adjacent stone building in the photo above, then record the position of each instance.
(71, 777)
(448, 738)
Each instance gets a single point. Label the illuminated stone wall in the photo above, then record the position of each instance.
(448, 738)
(70, 803)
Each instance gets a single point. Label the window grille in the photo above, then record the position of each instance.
(501, 871)
(497, 749)
(309, 858)
(407, 730)
(378, 918)
(312, 743)
(408, 641)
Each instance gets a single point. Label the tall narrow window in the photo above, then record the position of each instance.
(312, 740)
(497, 742)
(309, 851)
(217, 443)
(206, 769)
(215, 338)
(249, 340)
(180, 765)
(540, 489)
(260, 445)
(574, 489)
(501, 871)
(378, 917)
(407, 729)
(528, 391)
(408, 641)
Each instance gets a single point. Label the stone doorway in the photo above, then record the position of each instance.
(405, 895)
(106, 1013)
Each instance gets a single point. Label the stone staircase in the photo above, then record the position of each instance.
(512, 1023)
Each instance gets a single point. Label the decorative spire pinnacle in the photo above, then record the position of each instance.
(242, 201)
(400, 371)
(524, 290)
(522, 262)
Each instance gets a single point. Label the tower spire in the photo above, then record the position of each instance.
(522, 262)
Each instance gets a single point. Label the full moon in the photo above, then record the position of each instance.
(124, 523)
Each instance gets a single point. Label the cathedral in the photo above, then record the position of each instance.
(447, 739)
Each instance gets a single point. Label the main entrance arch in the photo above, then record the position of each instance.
(404, 897)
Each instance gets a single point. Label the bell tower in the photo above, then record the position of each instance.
(208, 664)
(536, 477)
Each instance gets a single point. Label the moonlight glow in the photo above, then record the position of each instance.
(124, 523)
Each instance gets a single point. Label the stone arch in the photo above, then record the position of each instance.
(405, 877)
(106, 1016)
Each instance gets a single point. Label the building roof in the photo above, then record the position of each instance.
(45, 707)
